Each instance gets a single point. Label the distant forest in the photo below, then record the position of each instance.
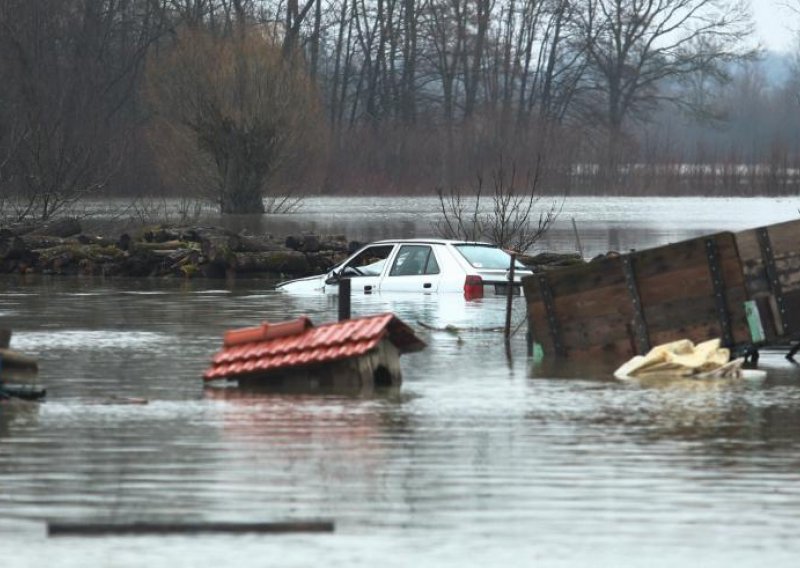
(244, 102)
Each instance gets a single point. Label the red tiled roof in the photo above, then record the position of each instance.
(269, 347)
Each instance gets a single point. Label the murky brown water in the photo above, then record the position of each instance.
(475, 461)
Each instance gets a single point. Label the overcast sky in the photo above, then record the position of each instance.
(775, 23)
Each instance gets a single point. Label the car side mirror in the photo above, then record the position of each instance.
(333, 278)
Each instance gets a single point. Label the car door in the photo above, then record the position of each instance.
(364, 269)
(414, 268)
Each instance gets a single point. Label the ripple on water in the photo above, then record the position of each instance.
(88, 339)
(144, 292)
(212, 292)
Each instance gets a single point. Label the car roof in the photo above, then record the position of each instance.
(431, 241)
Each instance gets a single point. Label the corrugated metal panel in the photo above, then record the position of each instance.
(307, 345)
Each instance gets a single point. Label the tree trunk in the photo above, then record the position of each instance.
(241, 192)
(242, 203)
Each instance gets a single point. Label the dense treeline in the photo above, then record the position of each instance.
(231, 100)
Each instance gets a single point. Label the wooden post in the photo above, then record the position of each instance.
(344, 299)
(577, 238)
(509, 298)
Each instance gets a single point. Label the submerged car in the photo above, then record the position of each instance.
(419, 265)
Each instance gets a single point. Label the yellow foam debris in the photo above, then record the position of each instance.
(683, 359)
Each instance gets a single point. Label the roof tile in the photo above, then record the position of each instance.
(297, 343)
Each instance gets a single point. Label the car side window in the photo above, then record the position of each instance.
(368, 262)
(432, 267)
(413, 260)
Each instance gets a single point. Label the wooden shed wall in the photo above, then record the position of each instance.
(771, 266)
(353, 375)
(626, 304)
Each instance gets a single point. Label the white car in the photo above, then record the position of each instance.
(419, 265)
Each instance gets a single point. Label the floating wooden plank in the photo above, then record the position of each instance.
(623, 305)
(146, 528)
(14, 360)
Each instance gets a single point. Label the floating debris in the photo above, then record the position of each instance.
(142, 528)
(17, 367)
(684, 359)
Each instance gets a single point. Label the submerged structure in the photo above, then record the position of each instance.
(350, 354)
(742, 287)
(19, 368)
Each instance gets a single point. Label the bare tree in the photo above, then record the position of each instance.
(513, 219)
(295, 16)
(446, 24)
(635, 46)
(10, 139)
(69, 72)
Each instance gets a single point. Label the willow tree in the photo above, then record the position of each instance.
(230, 112)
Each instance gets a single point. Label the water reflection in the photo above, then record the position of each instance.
(237, 390)
(16, 412)
(263, 416)
(747, 414)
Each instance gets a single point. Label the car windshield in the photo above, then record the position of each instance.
(486, 256)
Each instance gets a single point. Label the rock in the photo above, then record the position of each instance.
(161, 245)
(96, 240)
(185, 262)
(212, 252)
(124, 242)
(293, 242)
(139, 263)
(214, 270)
(164, 235)
(219, 248)
(216, 244)
(255, 243)
(335, 244)
(37, 242)
(320, 262)
(12, 247)
(305, 243)
(310, 244)
(74, 258)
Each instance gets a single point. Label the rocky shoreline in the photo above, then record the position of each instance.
(61, 247)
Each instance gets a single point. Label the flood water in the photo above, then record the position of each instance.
(477, 460)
